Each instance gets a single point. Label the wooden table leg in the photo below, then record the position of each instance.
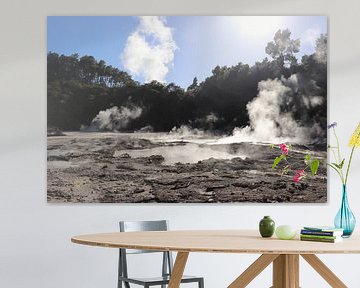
(279, 270)
(293, 261)
(253, 270)
(324, 271)
(286, 271)
(178, 269)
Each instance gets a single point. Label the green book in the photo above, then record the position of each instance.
(323, 228)
(319, 236)
(325, 240)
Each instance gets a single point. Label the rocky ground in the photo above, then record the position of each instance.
(87, 169)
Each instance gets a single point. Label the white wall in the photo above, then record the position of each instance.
(35, 248)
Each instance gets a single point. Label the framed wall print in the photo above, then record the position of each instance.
(187, 109)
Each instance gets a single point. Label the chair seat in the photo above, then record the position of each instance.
(158, 280)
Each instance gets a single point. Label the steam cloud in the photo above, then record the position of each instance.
(150, 49)
(310, 36)
(115, 119)
(317, 40)
(186, 131)
(271, 113)
(321, 49)
(211, 118)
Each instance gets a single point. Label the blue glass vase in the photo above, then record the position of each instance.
(345, 219)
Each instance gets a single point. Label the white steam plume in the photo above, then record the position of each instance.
(114, 118)
(186, 131)
(150, 49)
(269, 122)
(211, 118)
(314, 38)
(321, 49)
(310, 36)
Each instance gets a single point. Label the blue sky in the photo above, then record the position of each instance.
(176, 48)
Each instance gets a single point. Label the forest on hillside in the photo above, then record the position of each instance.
(81, 91)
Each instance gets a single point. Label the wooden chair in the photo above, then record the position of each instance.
(167, 262)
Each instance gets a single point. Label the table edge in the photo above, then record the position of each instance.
(206, 250)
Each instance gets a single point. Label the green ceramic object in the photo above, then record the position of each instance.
(285, 232)
(266, 227)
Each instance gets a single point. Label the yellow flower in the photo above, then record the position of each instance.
(355, 138)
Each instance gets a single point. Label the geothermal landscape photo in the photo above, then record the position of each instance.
(187, 109)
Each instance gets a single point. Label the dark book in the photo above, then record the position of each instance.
(321, 233)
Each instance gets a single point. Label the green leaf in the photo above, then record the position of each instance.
(285, 170)
(335, 168)
(336, 165)
(277, 161)
(272, 146)
(314, 166)
(342, 164)
(307, 159)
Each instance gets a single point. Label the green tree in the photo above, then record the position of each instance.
(194, 84)
(283, 48)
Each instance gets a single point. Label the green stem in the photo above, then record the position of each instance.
(339, 162)
(338, 145)
(337, 171)
(348, 167)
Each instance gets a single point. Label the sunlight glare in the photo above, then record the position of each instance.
(257, 27)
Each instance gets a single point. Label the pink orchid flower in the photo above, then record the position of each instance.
(284, 148)
(299, 175)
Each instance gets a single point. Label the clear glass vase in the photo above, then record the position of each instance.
(345, 219)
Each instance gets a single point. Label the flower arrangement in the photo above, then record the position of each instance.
(339, 163)
(344, 219)
(297, 168)
(300, 169)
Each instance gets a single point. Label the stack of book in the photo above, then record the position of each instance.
(321, 234)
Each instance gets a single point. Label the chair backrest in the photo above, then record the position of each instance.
(135, 226)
